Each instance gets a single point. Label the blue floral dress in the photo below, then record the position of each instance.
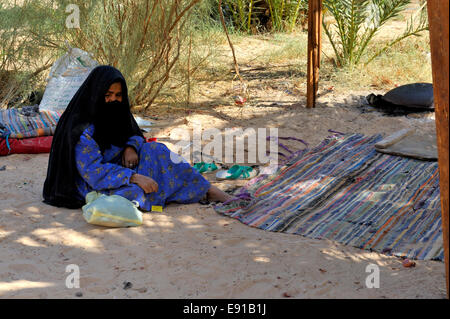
(103, 172)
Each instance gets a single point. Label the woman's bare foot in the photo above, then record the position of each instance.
(217, 195)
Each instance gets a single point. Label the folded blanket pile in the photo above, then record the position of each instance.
(27, 130)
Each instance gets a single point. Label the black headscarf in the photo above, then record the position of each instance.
(113, 125)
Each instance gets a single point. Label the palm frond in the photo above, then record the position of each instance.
(357, 22)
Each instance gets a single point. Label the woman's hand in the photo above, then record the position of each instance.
(144, 182)
(130, 159)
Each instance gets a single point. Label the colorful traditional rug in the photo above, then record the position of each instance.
(345, 191)
(20, 126)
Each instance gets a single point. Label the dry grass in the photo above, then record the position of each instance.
(274, 67)
(405, 62)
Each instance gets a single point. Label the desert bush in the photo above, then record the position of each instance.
(248, 16)
(358, 21)
(284, 14)
(21, 59)
(252, 16)
(142, 38)
(199, 52)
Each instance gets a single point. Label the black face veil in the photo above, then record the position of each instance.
(86, 107)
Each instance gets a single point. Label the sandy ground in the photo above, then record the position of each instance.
(190, 251)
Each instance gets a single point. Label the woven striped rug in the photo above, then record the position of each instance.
(21, 126)
(345, 191)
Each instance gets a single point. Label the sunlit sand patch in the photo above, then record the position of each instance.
(70, 238)
(27, 241)
(23, 284)
(33, 209)
(188, 219)
(10, 211)
(262, 259)
(4, 234)
(161, 221)
(224, 222)
(56, 224)
(359, 257)
(195, 226)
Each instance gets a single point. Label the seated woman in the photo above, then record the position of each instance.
(98, 146)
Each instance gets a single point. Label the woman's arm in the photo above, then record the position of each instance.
(130, 157)
(97, 174)
(148, 184)
(136, 142)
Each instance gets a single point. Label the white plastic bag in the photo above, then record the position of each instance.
(143, 123)
(65, 77)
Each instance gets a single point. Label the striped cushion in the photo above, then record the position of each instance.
(21, 126)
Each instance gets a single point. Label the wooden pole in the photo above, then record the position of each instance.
(314, 46)
(439, 45)
(318, 45)
(319, 27)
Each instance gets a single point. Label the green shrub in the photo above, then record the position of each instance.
(252, 16)
(357, 22)
(284, 14)
(21, 59)
(142, 38)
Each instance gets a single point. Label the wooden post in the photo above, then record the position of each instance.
(439, 33)
(318, 45)
(314, 47)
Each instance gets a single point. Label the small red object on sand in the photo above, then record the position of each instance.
(240, 100)
(408, 263)
(151, 139)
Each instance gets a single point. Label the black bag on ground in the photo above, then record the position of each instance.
(409, 98)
